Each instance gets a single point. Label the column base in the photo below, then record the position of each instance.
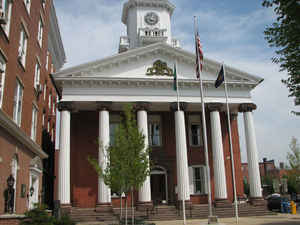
(257, 201)
(144, 206)
(65, 208)
(103, 207)
(188, 204)
(222, 203)
(213, 220)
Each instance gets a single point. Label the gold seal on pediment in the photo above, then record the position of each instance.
(159, 68)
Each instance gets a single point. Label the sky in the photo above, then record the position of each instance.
(230, 31)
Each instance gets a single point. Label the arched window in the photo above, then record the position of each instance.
(36, 167)
(14, 172)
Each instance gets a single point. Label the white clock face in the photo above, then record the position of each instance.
(151, 18)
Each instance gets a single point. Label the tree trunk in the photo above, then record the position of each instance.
(132, 206)
(126, 210)
(121, 214)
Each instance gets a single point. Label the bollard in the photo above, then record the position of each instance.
(293, 208)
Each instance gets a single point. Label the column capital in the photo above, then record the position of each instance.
(233, 115)
(182, 106)
(65, 106)
(101, 106)
(214, 106)
(247, 107)
(142, 106)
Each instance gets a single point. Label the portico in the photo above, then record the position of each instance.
(91, 105)
(185, 178)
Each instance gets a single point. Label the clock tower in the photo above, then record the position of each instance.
(147, 22)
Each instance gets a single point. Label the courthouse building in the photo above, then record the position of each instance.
(30, 49)
(141, 73)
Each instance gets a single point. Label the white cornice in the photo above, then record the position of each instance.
(99, 82)
(55, 44)
(146, 3)
(8, 125)
(92, 68)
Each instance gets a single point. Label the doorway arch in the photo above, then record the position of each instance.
(159, 178)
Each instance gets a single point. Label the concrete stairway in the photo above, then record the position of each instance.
(168, 212)
(89, 214)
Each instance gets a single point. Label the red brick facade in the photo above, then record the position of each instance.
(84, 133)
(10, 146)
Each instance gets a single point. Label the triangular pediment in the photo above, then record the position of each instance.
(141, 63)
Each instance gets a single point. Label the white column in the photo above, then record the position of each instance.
(104, 195)
(181, 157)
(145, 190)
(252, 155)
(64, 158)
(218, 156)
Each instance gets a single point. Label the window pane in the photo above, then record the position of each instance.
(154, 134)
(195, 134)
(112, 132)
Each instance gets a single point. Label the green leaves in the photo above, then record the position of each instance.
(128, 161)
(284, 35)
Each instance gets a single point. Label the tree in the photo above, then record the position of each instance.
(284, 34)
(294, 156)
(128, 159)
(293, 174)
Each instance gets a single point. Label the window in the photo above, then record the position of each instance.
(5, 12)
(22, 46)
(2, 77)
(49, 102)
(44, 3)
(34, 123)
(14, 173)
(195, 131)
(18, 98)
(37, 76)
(27, 5)
(40, 32)
(53, 107)
(154, 130)
(197, 180)
(43, 120)
(47, 61)
(112, 132)
(45, 91)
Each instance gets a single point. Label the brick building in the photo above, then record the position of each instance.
(30, 49)
(267, 168)
(94, 93)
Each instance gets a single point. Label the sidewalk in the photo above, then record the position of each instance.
(279, 219)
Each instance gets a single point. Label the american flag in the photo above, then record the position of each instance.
(199, 55)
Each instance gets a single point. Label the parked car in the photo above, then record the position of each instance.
(279, 203)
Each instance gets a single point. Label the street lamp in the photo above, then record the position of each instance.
(31, 191)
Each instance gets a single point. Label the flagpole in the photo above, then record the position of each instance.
(231, 149)
(177, 88)
(204, 127)
(183, 185)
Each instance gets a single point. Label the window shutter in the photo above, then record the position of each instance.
(191, 183)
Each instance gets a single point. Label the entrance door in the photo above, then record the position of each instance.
(159, 185)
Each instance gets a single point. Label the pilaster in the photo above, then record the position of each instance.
(218, 154)
(181, 157)
(145, 190)
(64, 186)
(252, 154)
